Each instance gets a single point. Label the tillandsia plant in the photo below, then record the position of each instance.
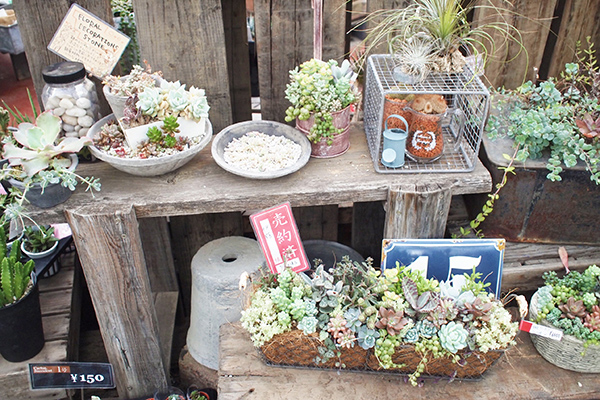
(354, 305)
(170, 99)
(37, 156)
(318, 88)
(15, 277)
(572, 303)
(428, 35)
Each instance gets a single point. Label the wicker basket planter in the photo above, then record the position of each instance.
(294, 348)
(568, 353)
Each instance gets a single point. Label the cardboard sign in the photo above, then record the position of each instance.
(71, 375)
(443, 258)
(277, 234)
(85, 38)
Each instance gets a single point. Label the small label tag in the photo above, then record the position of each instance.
(540, 330)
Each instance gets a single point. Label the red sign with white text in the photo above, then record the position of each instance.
(277, 234)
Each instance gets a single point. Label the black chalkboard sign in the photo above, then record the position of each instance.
(71, 375)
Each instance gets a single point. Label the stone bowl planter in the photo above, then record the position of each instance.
(149, 166)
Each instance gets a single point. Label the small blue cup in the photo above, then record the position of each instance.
(394, 144)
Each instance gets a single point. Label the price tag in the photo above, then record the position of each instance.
(277, 234)
(540, 330)
(71, 375)
(85, 38)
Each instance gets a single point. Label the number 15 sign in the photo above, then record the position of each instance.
(277, 234)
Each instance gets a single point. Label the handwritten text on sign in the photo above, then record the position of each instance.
(85, 38)
(277, 234)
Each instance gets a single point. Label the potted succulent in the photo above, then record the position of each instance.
(38, 241)
(570, 304)
(551, 130)
(41, 166)
(171, 393)
(355, 317)
(20, 314)
(162, 129)
(321, 94)
(117, 89)
(194, 393)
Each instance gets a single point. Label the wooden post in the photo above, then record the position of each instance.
(429, 201)
(185, 39)
(112, 258)
(317, 6)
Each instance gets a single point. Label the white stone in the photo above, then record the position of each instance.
(52, 102)
(82, 102)
(83, 132)
(72, 134)
(66, 103)
(90, 112)
(67, 119)
(75, 112)
(68, 128)
(86, 121)
(58, 111)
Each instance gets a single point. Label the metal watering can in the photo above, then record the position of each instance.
(394, 144)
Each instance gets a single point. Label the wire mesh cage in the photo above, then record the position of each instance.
(462, 135)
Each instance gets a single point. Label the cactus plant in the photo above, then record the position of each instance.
(14, 275)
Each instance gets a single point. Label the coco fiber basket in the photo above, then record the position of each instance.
(294, 348)
(568, 353)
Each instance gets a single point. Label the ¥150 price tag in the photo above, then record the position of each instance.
(71, 375)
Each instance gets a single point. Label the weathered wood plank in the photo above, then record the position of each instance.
(112, 259)
(284, 40)
(520, 374)
(417, 211)
(165, 304)
(185, 39)
(156, 241)
(579, 20)
(368, 220)
(508, 64)
(238, 58)
(39, 20)
(317, 222)
(203, 187)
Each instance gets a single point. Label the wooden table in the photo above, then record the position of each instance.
(105, 230)
(520, 374)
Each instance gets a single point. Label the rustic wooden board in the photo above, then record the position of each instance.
(201, 186)
(165, 304)
(284, 40)
(579, 19)
(520, 374)
(319, 223)
(156, 241)
(509, 65)
(120, 290)
(186, 40)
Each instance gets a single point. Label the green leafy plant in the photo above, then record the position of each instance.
(571, 303)
(18, 116)
(198, 395)
(124, 10)
(40, 238)
(14, 275)
(318, 88)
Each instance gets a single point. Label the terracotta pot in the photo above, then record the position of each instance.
(341, 141)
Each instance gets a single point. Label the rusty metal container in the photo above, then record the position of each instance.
(532, 208)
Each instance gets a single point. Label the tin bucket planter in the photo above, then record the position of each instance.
(341, 141)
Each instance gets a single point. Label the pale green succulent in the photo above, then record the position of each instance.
(453, 336)
(37, 147)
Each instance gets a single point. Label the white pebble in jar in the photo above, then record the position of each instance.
(68, 128)
(82, 102)
(75, 112)
(85, 121)
(53, 102)
(72, 134)
(58, 111)
(67, 119)
(66, 104)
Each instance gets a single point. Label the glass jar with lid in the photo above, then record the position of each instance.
(70, 95)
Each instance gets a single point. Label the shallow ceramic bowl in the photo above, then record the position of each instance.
(269, 128)
(149, 166)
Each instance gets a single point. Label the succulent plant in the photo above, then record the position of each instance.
(367, 337)
(589, 127)
(572, 309)
(336, 325)
(478, 309)
(592, 320)
(392, 321)
(453, 336)
(424, 303)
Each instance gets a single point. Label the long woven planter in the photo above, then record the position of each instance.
(294, 348)
(568, 353)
